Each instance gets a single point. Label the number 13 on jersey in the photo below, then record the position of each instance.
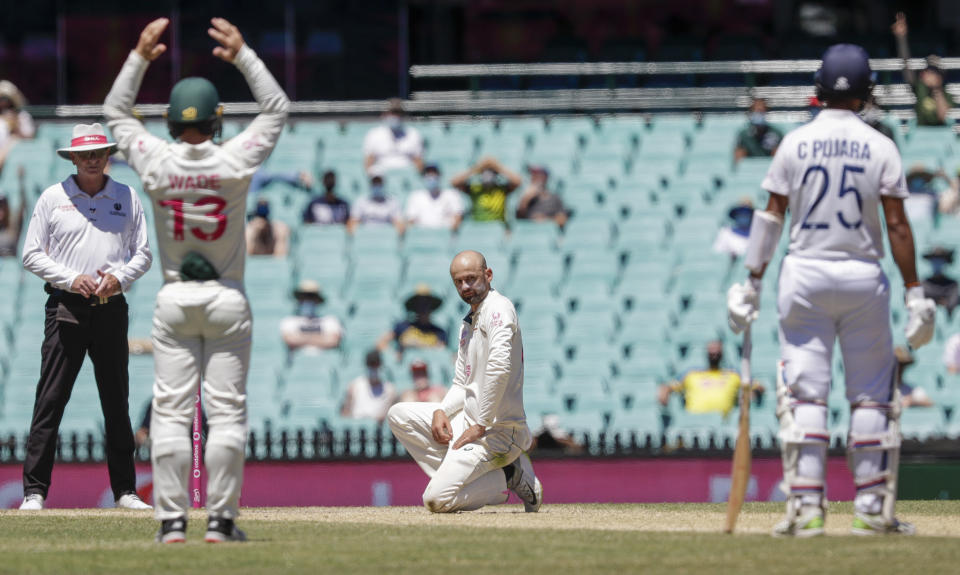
(176, 205)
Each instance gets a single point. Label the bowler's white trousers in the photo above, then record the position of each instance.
(462, 479)
(201, 331)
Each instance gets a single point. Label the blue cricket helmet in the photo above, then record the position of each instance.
(845, 72)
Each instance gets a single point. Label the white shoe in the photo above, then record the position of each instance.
(875, 524)
(32, 502)
(131, 501)
(525, 484)
(807, 522)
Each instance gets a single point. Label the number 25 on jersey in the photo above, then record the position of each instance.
(820, 222)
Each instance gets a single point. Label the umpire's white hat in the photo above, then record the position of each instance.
(87, 137)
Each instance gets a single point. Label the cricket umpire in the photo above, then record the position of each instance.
(88, 239)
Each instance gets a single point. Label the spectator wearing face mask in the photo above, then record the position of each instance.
(369, 396)
(392, 145)
(488, 183)
(266, 237)
(713, 389)
(434, 206)
(328, 208)
(377, 208)
(926, 187)
(307, 330)
(758, 138)
(732, 239)
(538, 203)
(940, 287)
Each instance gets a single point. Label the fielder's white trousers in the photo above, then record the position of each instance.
(462, 479)
(201, 331)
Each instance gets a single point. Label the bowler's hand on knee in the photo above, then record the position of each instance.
(440, 428)
(473, 433)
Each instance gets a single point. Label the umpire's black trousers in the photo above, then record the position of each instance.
(74, 327)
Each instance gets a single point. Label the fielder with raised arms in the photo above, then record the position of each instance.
(833, 174)
(202, 322)
(472, 444)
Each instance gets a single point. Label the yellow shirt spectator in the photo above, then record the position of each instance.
(709, 390)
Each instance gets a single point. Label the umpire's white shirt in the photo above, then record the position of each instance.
(72, 233)
(488, 383)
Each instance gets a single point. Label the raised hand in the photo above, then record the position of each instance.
(229, 38)
(147, 46)
(899, 27)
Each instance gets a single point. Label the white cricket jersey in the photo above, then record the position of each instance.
(488, 382)
(391, 152)
(425, 210)
(199, 192)
(72, 233)
(834, 171)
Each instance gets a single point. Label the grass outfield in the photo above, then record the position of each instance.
(662, 538)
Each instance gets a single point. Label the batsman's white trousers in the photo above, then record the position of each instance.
(460, 479)
(201, 331)
(821, 301)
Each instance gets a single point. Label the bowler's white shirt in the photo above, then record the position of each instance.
(488, 381)
(427, 211)
(390, 152)
(834, 171)
(72, 233)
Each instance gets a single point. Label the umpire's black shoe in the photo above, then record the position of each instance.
(173, 530)
(221, 530)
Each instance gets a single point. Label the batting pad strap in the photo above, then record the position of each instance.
(796, 435)
(764, 235)
(874, 484)
(801, 485)
(882, 441)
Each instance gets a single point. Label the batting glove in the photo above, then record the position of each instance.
(921, 313)
(743, 304)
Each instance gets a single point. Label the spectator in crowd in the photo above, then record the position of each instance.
(266, 237)
(487, 183)
(538, 203)
(873, 115)
(328, 208)
(910, 396)
(951, 354)
(393, 144)
(925, 187)
(17, 122)
(307, 329)
(376, 208)
(262, 178)
(551, 436)
(423, 388)
(434, 206)
(732, 239)
(708, 390)
(758, 138)
(11, 223)
(369, 396)
(418, 330)
(940, 287)
(933, 102)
